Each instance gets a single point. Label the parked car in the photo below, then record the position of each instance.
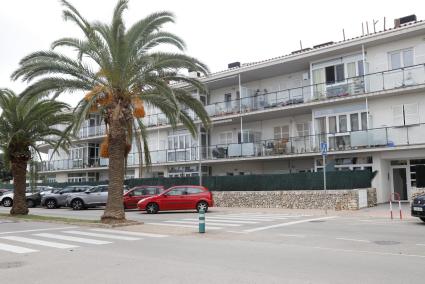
(33, 198)
(183, 197)
(4, 191)
(137, 193)
(418, 207)
(57, 199)
(95, 196)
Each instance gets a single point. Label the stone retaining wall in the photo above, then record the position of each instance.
(295, 199)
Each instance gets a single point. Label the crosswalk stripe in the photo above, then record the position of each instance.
(39, 242)
(16, 249)
(107, 236)
(287, 224)
(214, 219)
(138, 234)
(73, 239)
(256, 217)
(184, 226)
(209, 223)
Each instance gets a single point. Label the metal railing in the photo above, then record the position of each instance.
(374, 138)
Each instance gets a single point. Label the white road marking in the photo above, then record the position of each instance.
(16, 249)
(185, 226)
(137, 234)
(246, 219)
(208, 223)
(107, 236)
(37, 230)
(353, 240)
(288, 224)
(39, 242)
(292, 236)
(73, 239)
(223, 220)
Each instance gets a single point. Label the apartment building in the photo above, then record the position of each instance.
(364, 97)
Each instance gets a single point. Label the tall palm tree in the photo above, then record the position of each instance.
(122, 70)
(25, 124)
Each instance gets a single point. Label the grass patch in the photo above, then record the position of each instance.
(31, 217)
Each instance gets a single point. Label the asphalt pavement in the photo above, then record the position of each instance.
(259, 246)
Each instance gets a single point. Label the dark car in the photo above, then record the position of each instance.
(418, 207)
(33, 200)
(57, 199)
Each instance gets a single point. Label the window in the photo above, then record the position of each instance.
(193, 190)
(227, 97)
(332, 124)
(334, 73)
(364, 120)
(138, 192)
(354, 121)
(281, 132)
(401, 58)
(250, 136)
(342, 123)
(226, 137)
(406, 114)
(303, 129)
(177, 191)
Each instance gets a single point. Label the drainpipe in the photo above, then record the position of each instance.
(199, 150)
(364, 85)
(240, 105)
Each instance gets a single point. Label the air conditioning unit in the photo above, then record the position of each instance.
(404, 20)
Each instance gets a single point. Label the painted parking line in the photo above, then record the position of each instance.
(288, 224)
(137, 234)
(197, 222)
(184, 226)
(220, 220)
(106, 236)
(37, 230)
(73, 239)
(39, 242)
(15, 249)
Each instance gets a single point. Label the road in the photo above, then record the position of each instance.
(257, 247)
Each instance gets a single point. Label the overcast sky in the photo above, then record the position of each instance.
(217, 32)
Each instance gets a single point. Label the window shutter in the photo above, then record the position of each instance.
(398, 118)
(411, 114)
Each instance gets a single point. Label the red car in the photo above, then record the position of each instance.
(137, 193)
(183, 197)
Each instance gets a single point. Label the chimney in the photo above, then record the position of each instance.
(404, 20)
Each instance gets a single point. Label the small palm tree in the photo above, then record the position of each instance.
(26, 123)
(122, 71)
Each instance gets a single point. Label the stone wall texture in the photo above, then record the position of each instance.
(295, 199)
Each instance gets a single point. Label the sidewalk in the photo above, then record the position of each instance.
(379, 211)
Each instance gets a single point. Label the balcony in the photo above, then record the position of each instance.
(372, 139)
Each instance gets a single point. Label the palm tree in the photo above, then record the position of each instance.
(121, 71)
(26, 123)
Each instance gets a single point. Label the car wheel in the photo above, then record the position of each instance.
(422, 218)
(7, 202)
(51, 204)
(152, 208)
(30, 203)
(202, 205)
(77, 204)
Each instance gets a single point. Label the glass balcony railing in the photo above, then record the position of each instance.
(374, 82)
(375, 138)
(97, 130)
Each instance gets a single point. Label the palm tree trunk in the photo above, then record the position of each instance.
(19, 172)
(114, 211)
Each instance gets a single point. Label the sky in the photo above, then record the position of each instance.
(217, 32)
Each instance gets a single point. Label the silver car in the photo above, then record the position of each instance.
(58, 199)
(95, 196)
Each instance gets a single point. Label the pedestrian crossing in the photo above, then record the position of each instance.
(230, 221)
(34, 241)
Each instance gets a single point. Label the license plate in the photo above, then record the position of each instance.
(418, 209)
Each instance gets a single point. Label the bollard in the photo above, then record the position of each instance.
(391, 209)
(201, 221)
(399, 207)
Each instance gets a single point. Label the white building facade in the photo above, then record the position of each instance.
(364, 97)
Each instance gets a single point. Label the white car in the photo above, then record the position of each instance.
(7, 199)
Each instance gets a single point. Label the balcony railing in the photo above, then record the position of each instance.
(374, 82)
(385, 137)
